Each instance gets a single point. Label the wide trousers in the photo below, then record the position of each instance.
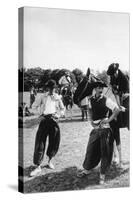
(100, 148)
(48, 127)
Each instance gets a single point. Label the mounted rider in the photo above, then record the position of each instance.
(65, 80)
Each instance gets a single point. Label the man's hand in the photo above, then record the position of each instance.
(122, 108)
(104, 121)
(62, 114)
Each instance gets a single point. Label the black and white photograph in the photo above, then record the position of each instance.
(73, 112)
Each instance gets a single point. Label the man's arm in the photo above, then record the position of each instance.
(37, 105)
(114, 114)
(115, 110)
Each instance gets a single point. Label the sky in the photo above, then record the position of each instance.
(59, 38)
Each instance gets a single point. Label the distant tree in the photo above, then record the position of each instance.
(32, 78)
(45, 77)
(38, 77)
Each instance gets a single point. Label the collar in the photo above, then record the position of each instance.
(98, 98)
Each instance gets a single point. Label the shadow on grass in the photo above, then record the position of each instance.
(68, 120)
(67, 179)
(116, 171)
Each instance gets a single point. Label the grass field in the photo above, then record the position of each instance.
(69, 159)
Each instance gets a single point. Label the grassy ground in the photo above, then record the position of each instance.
(69, 159)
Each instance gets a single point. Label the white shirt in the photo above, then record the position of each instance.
(50, 104)
(111, 104)
(85, 101)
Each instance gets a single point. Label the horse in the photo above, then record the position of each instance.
(85, 88)
(120, 88)
(67, 97)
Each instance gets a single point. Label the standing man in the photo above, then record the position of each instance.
(32, 96)
(100, 145)
(84, 104)
(50, 103)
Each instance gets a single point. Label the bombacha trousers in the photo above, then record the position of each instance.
(100, 148)
(48, 127)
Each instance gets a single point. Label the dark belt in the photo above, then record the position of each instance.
(49, 116)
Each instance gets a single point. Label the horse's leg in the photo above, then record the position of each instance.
(71, 113)
(65, 114)
(66, 111)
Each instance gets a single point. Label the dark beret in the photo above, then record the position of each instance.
(99, 84)
(112, 69)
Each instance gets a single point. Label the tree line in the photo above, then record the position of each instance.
(37, 77)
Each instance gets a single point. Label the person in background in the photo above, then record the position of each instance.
(65, 80)
(32, 96)
(50, 103)
(84, 104)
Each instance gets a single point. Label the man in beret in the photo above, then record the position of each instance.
(49, 103)
(119, 82)
(100, 145)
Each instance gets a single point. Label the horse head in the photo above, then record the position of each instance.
(84, 89)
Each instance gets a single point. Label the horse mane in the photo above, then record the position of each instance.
(84, 89)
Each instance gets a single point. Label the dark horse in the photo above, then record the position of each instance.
(84, 88)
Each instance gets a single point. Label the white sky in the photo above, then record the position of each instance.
(55, 38)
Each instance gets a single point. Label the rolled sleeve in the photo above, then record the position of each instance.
(111, 104)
